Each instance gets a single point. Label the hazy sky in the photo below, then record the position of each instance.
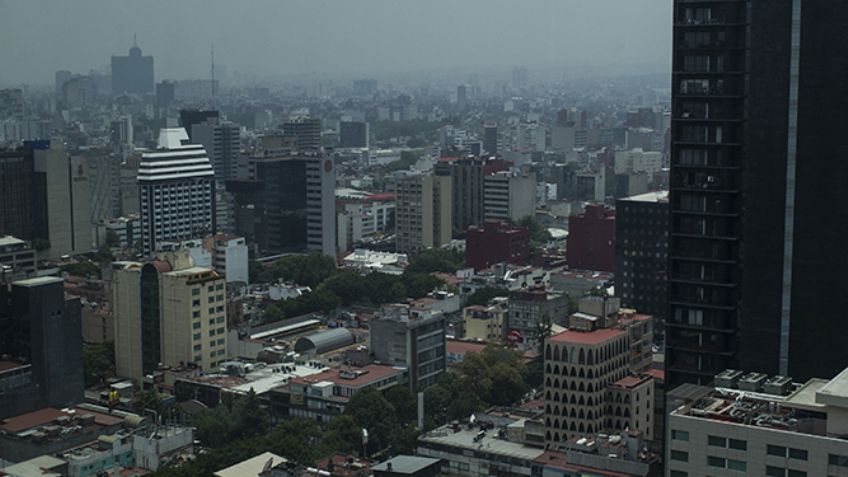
(335, 37)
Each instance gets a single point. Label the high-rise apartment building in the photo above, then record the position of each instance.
(508, 195)
(641, 252)
(758, 109)
(176, 184)
(423, 212)
(133, 73)
(305, 131)
(591, 239)
(191, 117)
(467, 183)
(168, 312)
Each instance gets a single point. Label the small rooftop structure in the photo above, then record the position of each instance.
(405, 465)
(252, 467)
(325, 341)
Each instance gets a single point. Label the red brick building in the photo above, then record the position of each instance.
(496, 242)
(591, 240)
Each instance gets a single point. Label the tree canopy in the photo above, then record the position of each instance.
(484, 295)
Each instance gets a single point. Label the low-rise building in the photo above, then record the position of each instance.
(369, 260)
(17, 258)
(487, 323)
(533, 308)
(324, 395)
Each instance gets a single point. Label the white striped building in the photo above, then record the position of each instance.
(176, 190)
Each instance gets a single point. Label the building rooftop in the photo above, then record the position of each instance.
(405, 464)
(251, 467)
(37, 281)
(658, 196)
(351, 377)
(463, 347)
(8, 240)
(630, 382)
(260, 378)
(586, 337)
(468, 438)
(559, 460)
(9, 365)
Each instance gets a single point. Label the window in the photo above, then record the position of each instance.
(195, 303)
(679, 435)
(739, 465)
(837, 460)
(196, 325)
(797, 454)
(737, 444)
(715, 461)
(219, 286)
(776, 450)
(717, 441)
(196, 336)
(197, 347)
(772, 471)
(682, 456)
(195, 314)
(195, 291)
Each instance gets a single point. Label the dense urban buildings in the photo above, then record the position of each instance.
(176, 187)
(754, 232)
(423, 215)
(496, 242)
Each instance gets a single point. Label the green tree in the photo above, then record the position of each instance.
(40, 244)
(112, 239)
(371, 411)
(272, 313)
(148, 400)
(98, 362)
(404, 402)
(484, 295)
(436, 260)
(103, 255)
(405, 439)
(308, 270)
(343, 434)
(348, 285)
(82, 269)
(418, 285)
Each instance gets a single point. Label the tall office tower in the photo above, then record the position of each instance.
(40, 326)
(305, 131)
(62, 209)
(133, 73)
(461, 97)
(222, 144)
(467, 177)
(176, 186)
(190, 117)
(289, 205)
(759, 105)
(164, 93)
(16, 194)
(490, 138)
(353, 134)
(641, 252)
(423, 212)
(170, 312)
(509, 196)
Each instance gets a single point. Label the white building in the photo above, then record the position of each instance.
(127, 229)
(176, 188)
(386, 262)
(509, 196)
(637, 160)
(230, 257)
(756, 425)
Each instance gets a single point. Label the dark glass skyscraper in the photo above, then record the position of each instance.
(758, 189)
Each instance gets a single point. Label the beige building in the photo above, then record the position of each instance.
(592, 374)
(168, 313)
(423, 214)
(486, 323)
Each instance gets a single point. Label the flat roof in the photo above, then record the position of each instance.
(190, 271)
(10, 240)
(657, 196)
(251, 467)
(7, 365)
(586, 337)
(363, 376)
(835, 392)
(559, 460)
(37, 281)
(464, 439)
(463, 347)
(805, 396)
(630, 382)
(406, 464)
(261, 379)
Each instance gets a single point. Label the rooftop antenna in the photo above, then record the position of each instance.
(212, 57)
